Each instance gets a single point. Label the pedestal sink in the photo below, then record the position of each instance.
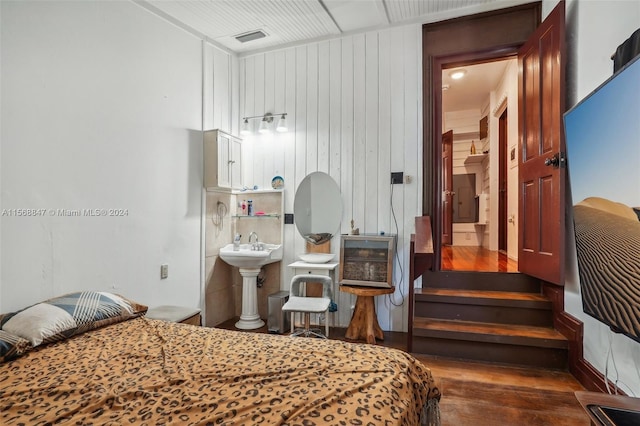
(249, 261)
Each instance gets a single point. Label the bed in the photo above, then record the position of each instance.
(123, 368)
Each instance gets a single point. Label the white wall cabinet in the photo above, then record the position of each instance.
(222, 160)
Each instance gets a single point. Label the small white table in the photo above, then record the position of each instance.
(300, 268)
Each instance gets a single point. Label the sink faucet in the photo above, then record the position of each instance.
(255, 245)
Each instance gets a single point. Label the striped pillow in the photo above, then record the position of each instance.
(68, 315)
(11, 346)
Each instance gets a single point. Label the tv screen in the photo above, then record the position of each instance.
(603, 159)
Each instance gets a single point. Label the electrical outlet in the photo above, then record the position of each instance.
(397, 177)
(164, 271)
(288, 218)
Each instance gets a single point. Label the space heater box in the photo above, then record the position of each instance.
(367, 260)
(278, 321)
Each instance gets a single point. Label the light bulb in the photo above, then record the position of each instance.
(245, 128)
(282, 124)
(458, 74)
(264, 126)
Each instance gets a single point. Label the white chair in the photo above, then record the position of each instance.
(307, 305)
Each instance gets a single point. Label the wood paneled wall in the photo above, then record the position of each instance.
(354, 109)
(220, 105)
(220, 87)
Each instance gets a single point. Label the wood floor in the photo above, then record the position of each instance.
(472, 258)
(489, 394)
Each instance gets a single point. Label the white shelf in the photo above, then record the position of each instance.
(255, 216)
(330, 266)
(256, 191)
(475, 158)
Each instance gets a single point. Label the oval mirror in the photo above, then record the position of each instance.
(317, 207)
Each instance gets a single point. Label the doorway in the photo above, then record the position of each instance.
(474, 114)
(540, 48)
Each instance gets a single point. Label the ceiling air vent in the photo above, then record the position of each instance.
(253, 35)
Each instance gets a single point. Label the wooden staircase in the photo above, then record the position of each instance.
(485, 316)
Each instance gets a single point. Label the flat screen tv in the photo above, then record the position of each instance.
(603, 159)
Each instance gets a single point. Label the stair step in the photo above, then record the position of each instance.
(511, 344)
(489, 281)
(484, 306)
(490, 332)
(484, 316)
(482, 297)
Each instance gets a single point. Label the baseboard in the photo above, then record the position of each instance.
(573, 329)
(581, 369)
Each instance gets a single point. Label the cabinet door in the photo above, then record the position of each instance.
(222, 155)
(224, 160)
(235, 163)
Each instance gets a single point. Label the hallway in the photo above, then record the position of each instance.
(471, 258)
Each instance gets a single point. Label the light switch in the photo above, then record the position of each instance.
(164, 271)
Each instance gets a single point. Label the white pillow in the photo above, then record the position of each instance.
(39, 322)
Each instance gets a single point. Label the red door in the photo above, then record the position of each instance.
(541, 144)
(447, 187)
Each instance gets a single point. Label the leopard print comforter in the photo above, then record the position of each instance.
(150, 372)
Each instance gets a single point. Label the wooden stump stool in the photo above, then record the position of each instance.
(364, 322)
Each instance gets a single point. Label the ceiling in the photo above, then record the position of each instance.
(291, 22)
(288, 22)
(471, 91)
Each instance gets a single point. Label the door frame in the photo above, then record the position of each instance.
(447, 202)
(503, 180)
(453, 41)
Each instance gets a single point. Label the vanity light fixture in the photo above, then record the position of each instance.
(265, 123)
(457, 74)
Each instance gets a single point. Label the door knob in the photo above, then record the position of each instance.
(556, 161)
(553, 161)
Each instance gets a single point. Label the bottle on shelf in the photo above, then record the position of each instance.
(250, 207)
(244, 207)
(473, 148)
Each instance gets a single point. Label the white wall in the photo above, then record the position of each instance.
(354, 108)
(594, 31)
(102, 109)
(1, 204)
